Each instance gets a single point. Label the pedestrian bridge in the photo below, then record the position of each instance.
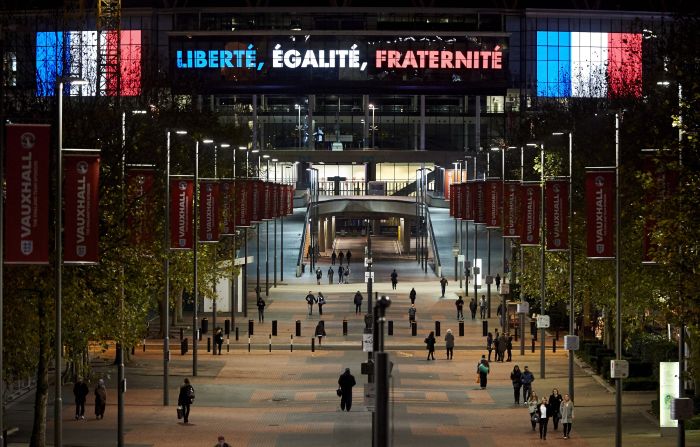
(371, 207)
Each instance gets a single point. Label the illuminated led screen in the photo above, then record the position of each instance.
(76, 53)
(589, 65)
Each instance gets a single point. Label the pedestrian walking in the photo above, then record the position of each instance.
(330, 275)
(346, 274)
(321, 301)
(482, 306)
(489, 344)
(555, 400)
(348, 255)
(221, 442)
(80, 392)
(566, 412)
(320, 331)
(472, 308)
(500, 314)
(449, 344)
(516, 377)
(100, 399)
(185, 399)
(532, 404)
(527, 379)
(310, 300)
(394, 279)
(341, 255)
(483, 370)
(345, 383)
(459, 304)
(340, 274)
(509, 348)
(411, 315)
(412, 295)
(501, 347)
(443, 284)
(544, 413)
(498, 281)
(333, 256)
(319, 275)
(358, 302)
(430, 345)
(218, 340)
(261, 310)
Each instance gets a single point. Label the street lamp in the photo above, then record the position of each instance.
(245, 244)
(58, 343)
(373, 128)
(314, 216)
(298, 107)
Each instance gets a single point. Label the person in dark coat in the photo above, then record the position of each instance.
(185, 399)
(430, 345)
(449, 344)
(544, 413)
(219, 339)
(319, 275)
(412, 295)
(80, 391)
(333, 256)
(100, 399)
(501, 347)
(509, 348)
(443, 284)
(498, 281)
(472, 308)
(330, 275)
(341, 255)
(340, 274)
(358, 302)
(489, 344)
(482, 368)
(348, 255)
(516, 377)
(555, 400)
(261, 310)
(321, 301)
(346, 381)
(320, 331)
(459, 304)
(310, 300)
(394, 279)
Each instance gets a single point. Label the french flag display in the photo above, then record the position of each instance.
(76, 53)
(588, 64)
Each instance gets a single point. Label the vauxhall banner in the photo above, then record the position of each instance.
(290, 199)
(139, 183)
(81, 200)
(226, 194)
(181, 219)
(468, 201)
(530, 213)
(267, 199)
(492, 203)
(208, 211)
(458, 200)
(510, 208)
(27, 194)
(243, 203)
(556, 209)
(600, 213)
(277, 200)
(478, 198)
(256, 197)
(450, 191)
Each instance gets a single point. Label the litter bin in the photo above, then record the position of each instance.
(205, 325)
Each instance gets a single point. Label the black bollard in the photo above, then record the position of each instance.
(183, 346)
(236, 333)
(390, 327)
(208, 344)
(199, 335)
(533, 345)
(227, 327)
(437, 328)
(291, 342)
(533, 328)
(345, 328)
(516, 335)
(248, 344)
(461, 328)
(313, 344)
(414, 329)
(485, 328)
(274, 328)
(250, 327)
(297, 332)
(205, 325)
(554, 345)
(270, 339)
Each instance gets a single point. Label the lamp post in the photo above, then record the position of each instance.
(457, 165)
(298, 107)
(245, 247)
(618, 301)
(373, 128)
(274, 230)
(58, 342)
(267, 232)
(313, 177)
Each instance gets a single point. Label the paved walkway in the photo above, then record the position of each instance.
(287, 399)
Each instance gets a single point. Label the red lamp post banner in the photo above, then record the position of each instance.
(458, 200)
(451, 197)
(290, 199)
(492, 203)
(267, 198)
(81, 201)
(510, 208)
(468, 201)
(181, 218)
(139, 184)
(276, 200)
(243, 203)
(256, 209)
(530, 214)
(556, 198)
(478, 199)
(600, 213)
(462, 201)
(27, 194)
(226, 194)
(208, 211)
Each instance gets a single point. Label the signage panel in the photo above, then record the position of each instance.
(600, 214)
(530, 214)
(81, 195)
(556, 198)
(510, 208)
(181, 219)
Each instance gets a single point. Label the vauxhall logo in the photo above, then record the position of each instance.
(27, 169)
(81, 168)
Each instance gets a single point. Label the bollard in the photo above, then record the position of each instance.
(313, 344)
(250, 327)
(437, 328)
(227, 327)
(298, 329)
(144, 345)
(533, 345)
(205, 325)
(236, 333)
(248, 344)
(461, 328)
(533, 329)
(199, 335)
(208, 344)
(291, 342)
(270, 339)
(274, 328)
(182, 333)
(228, 346)
(414, 328)
(390, 327)
(554, 345)
(485, 328)
(345, 328)
(183, 346)
(534, 336)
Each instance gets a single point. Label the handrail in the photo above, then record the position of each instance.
(436, 254)
(300, 257)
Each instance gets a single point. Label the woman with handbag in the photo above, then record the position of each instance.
(430, 345)
(532, 409)
(185, 399)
